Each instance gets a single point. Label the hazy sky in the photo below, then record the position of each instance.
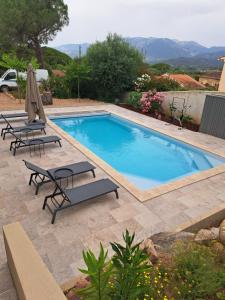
(199, 20)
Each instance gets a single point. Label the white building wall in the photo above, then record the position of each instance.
(222, 79)
(195, 99)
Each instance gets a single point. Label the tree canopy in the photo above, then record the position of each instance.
(114, 65)
(161, 68)
(31, 22)
(55, 59)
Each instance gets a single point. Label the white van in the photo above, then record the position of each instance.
(8, 79)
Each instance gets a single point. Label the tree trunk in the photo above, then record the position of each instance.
(39, 53)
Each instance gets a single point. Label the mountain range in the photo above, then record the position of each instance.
(186, 54)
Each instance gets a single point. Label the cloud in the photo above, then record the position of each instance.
(201, 20)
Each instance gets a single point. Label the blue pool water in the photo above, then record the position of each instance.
(145, 157)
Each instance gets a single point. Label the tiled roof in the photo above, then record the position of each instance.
(212, 75)
(185, 80)
(58, 73)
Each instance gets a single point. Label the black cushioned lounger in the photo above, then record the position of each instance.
(74, 196)
(14, 116)
(21, 129)
(19, 143)
(40, 176)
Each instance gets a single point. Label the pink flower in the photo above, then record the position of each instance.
(148, 98)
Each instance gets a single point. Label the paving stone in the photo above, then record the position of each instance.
(124, 213)
(9, 295)
(5, 279)
(131, 225)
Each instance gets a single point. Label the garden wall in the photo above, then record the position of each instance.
(195, 99)
(31, 278)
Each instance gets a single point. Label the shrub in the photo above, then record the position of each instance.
(164, 84)
(142, 83)
(157, 284)
(134, 99)
(151, 101)
(55, 58)
(21, 91)
(196, 272)
(76, 73)
(114, 65)
(161, 68)
(59, 87)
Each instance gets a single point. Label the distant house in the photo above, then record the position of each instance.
(210, 79)
(185, 81)
(222, 78)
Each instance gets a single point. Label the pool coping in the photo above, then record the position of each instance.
(149, 194)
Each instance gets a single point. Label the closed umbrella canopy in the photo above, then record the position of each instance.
(33, 103)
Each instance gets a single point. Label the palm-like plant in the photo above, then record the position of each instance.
(99, 270)
(131, 264)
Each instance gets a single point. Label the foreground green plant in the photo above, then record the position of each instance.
(99, 270)
(196, 272)
(189, 272)
(131, 264)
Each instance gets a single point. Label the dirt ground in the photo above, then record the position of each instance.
(9, 103)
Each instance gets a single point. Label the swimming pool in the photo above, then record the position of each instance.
(145, 157)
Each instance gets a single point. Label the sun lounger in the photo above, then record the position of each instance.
(74, 196)
(40, 141)
(13, 116)
(40, 176)
(21, 129)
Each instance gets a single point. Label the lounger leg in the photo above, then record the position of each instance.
(117, 195)
(14, 151)
(37, 188)
(31, 178)
(11, 145)
(45, 201)
(93, 172)
(3, 130)
(60, 144)
(54, 216)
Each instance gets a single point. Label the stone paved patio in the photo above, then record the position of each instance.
(61, 244)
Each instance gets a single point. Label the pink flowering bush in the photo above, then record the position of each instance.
(151, 101)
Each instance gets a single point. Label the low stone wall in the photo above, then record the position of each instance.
(194, 99)
(31, 278)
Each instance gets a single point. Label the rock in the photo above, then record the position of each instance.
(165, 240)
(204, 236)
(222, 232)
(215, 230)
(71, 295)
(81, 282)
(148, 246)
(217, 247)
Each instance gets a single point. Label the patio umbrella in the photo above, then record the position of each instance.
(33, 103)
